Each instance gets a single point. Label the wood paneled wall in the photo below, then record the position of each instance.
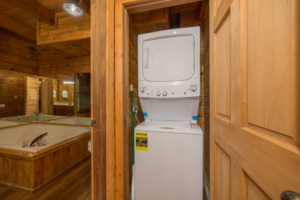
(11, 87)
(31, 85)
(204, 104)
(16, 53)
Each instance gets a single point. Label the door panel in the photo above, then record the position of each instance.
(255, 104)
(222, 38)
(222, 173)
(47, 96)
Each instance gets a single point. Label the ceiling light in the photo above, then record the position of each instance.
(72, 8)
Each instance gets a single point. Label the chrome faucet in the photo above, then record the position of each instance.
(37, 115)
(36, 141)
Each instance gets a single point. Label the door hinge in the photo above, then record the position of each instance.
(124, 121)
(93, 123)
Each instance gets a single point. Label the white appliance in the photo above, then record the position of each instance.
(169, 143)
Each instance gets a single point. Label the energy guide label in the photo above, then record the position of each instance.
(141, 141)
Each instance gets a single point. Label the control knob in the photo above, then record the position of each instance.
(193, 88)
(158, 93)
(164, 93)
(142, 89)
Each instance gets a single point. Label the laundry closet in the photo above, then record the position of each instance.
(172, 18)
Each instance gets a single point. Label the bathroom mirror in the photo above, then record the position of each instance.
(31, 99)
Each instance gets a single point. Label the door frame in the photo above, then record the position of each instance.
(109, 50)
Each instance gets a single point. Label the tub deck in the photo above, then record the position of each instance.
(30, 169)
(61, 187)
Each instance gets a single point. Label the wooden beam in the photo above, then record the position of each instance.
(36, 9)
(17, 27)
(86, 6)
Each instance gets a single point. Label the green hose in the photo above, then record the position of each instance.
(132, 134)
(132, 124)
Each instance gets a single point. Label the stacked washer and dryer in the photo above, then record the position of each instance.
(169, 143)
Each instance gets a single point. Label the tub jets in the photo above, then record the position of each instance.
(38, 141)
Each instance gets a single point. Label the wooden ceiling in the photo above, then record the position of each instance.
(174, 17)
(51, 34)
(18, 13)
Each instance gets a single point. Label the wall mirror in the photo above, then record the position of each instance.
(59, 99)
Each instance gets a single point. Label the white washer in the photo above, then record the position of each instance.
(171, 168)
(169, 143)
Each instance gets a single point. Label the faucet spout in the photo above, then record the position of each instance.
(35, 142)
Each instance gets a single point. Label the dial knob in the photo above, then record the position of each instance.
(193, 88)
(158, 93)
(142, 89)
(164, 93)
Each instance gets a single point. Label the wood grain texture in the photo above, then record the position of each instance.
(103, 104)
(65, 186)
(67, 28)
(260, 137)
(30, 175)
(31, 100)
(9, 87)
(17, 27)
(223, 69)
(36, 9)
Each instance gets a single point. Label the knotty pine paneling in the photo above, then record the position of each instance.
(12, 95)
(17, 53)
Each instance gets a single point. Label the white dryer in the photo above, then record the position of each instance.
(169, 143)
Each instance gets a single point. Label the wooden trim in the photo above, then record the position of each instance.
(103, 136)
(212, 145)
(223, 12)
(36, 9)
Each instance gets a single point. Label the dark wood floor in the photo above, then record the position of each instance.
(74, 184)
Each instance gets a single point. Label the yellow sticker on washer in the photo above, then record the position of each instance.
(141, 141)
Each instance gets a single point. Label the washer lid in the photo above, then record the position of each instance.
(169, 127)
(169, 59)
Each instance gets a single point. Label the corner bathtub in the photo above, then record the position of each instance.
(33, 118)
(78, 121)
(5, 124)
(31, 167)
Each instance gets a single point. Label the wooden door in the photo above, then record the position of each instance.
(31, 95)
(47, 97)
(255, 98)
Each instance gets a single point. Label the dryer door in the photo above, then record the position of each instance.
(169, 59)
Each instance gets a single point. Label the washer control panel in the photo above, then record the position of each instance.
(191, 89)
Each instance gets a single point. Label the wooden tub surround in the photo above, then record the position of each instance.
(30, 171)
